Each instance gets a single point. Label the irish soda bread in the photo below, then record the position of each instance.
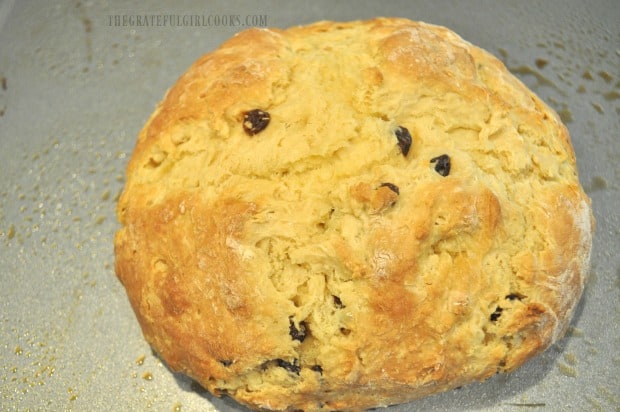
(346, 215)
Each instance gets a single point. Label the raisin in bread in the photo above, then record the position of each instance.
(347, 215)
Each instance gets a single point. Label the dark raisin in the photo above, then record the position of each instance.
(404, 139)
(291, 367)
(338, 302)
(345, 331)
(442, 164)
(514, 296)
(255, 121)
(297, 333)
(226, 362)
(495, 315)
(221, 391)
(391, 186)
(317, 368)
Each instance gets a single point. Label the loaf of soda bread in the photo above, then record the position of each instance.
(348, 215)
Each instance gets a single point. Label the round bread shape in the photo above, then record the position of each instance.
(349, 215)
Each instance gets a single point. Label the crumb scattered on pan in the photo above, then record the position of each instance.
(567, 370)
(570, 358)
(10, 234)
(576, 332)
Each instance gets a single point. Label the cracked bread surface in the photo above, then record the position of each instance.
(348, 215)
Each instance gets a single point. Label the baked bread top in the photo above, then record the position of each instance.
(347, 215)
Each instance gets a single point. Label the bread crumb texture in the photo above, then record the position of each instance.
(348, 215)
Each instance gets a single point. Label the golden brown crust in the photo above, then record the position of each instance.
(409, 219)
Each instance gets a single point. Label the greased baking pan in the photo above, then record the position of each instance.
(78, 79)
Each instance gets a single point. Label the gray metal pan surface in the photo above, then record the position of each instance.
(78, 79)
